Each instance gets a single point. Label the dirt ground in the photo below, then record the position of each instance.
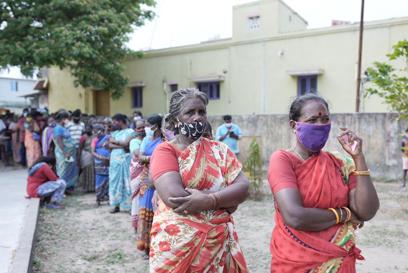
(85, 238)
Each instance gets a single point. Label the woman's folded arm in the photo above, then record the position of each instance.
(299, 217)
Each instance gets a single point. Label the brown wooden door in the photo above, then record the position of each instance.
(102, 103)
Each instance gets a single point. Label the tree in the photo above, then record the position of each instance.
(253, 169)
(86, 36)
(390, 83)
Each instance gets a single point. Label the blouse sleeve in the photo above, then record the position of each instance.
(233, 167)
(82, 139)
(163, 160)
(58, 131)
(281, 174)
(93, 143)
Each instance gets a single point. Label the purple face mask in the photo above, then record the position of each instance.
(312, 136)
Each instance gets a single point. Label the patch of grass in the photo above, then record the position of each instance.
(115, 257)
(37, 264)
(91, 258)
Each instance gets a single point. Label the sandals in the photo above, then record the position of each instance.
(54, 206)
(115, 210)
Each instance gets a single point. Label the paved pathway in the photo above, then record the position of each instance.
(18, 217)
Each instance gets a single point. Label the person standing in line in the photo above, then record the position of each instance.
(101, 157)
(119, 176)
(404, 150)
(15, 144)
(65, 152)
(87, 172)
(76, 127)
(135, 169)
(107, 123)
(5, 138)
(47, 136)
(137, 115)
(320, 197)
(229, 133)
(32, 138)
(146, 192)
(21, 137)
(200, 184)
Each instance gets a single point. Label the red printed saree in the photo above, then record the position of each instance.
(323, 182)
(206, 242)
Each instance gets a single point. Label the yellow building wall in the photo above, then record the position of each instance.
(62, 94)
(182, 69)
(256, 78)
(289, 20)
(254, 72)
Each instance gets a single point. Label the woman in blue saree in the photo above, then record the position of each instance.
(101, 158)
(152, 139)
(119, 175)
(65, 153)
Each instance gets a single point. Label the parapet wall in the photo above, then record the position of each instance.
(381, 133)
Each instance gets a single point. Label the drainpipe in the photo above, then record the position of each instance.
(360, 51)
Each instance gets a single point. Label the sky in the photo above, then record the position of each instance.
(182, 22)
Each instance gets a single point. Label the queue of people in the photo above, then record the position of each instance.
(182, 187)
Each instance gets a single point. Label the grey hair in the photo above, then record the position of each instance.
(177, 100)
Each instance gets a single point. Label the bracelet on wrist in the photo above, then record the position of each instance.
(348, 211)
(341, 215)
(361, 173)
(214, 203)
(335, 214)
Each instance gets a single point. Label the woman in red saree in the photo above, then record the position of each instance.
(200, 184)
(320, 197)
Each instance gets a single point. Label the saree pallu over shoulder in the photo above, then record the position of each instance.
(119, 174)
(67, 170)
(322, 184)
(205, 242)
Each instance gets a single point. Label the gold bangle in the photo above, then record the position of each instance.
(362, 173)
(348, 213)
(336, 214)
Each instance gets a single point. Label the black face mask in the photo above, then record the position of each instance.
(76, 120)
(192, 130)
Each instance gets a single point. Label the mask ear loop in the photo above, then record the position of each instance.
(178, 124)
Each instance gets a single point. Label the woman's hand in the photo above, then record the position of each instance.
(194, 203)
(357, 223)
(350, 142)
(231, 210)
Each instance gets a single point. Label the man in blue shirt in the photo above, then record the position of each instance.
(229, 133)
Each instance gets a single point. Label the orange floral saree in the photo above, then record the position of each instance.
(206, 242)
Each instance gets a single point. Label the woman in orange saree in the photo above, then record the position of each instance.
(32, 139)
(199, 184)
(320, 198)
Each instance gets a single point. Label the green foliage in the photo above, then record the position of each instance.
(253, 169)
(390, 83)
(88, 37)
(115, 257)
